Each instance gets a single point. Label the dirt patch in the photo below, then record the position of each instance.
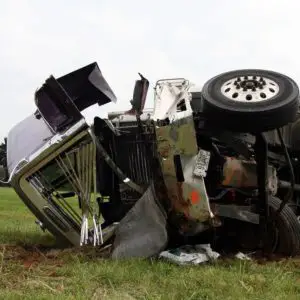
(29, 257)
(33, 255)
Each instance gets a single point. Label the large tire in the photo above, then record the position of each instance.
(287, 228)
(283, 235)
(250, 100)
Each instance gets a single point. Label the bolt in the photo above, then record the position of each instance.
(264, 82)
(261, 79)
(249, 84)
(246, 77)
(244, 89)
(254, 77)
(238, 86)
(235, 83)
(254, 89)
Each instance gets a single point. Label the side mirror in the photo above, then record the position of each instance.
(139, 95)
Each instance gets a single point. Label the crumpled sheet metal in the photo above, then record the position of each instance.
(142, 232)
(188, 197)
(167, 95)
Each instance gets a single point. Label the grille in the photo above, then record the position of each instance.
(134, 155)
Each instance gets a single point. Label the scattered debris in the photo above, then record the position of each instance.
(190, 255)
(242, 256)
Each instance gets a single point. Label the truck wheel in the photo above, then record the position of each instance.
(250, 100)
(285, 233)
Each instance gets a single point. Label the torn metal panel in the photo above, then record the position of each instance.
(142, 232)
(168, 93)
(60, 101)
(87, 86)
(178, 150)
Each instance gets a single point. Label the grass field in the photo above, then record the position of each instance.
(28, 271)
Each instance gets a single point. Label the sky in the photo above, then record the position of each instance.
(161, 39)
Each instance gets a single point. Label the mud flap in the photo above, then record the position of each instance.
(142, 232)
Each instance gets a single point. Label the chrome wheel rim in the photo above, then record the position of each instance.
(250, 88)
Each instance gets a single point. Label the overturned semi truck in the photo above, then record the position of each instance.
(218, 163)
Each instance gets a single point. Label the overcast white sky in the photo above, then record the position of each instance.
(170, 38)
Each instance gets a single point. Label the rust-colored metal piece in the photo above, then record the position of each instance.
(242, 174)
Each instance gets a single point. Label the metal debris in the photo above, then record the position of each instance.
(190, 255)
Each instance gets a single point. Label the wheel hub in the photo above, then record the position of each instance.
(250, 88)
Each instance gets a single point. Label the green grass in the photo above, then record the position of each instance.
(27, 272)
(17, 224)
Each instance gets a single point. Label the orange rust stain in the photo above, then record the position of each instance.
(195, 197)
(229, 174)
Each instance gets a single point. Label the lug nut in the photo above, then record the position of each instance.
(253, 89)
(238, 86)
(238, 79)
(244, 89)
